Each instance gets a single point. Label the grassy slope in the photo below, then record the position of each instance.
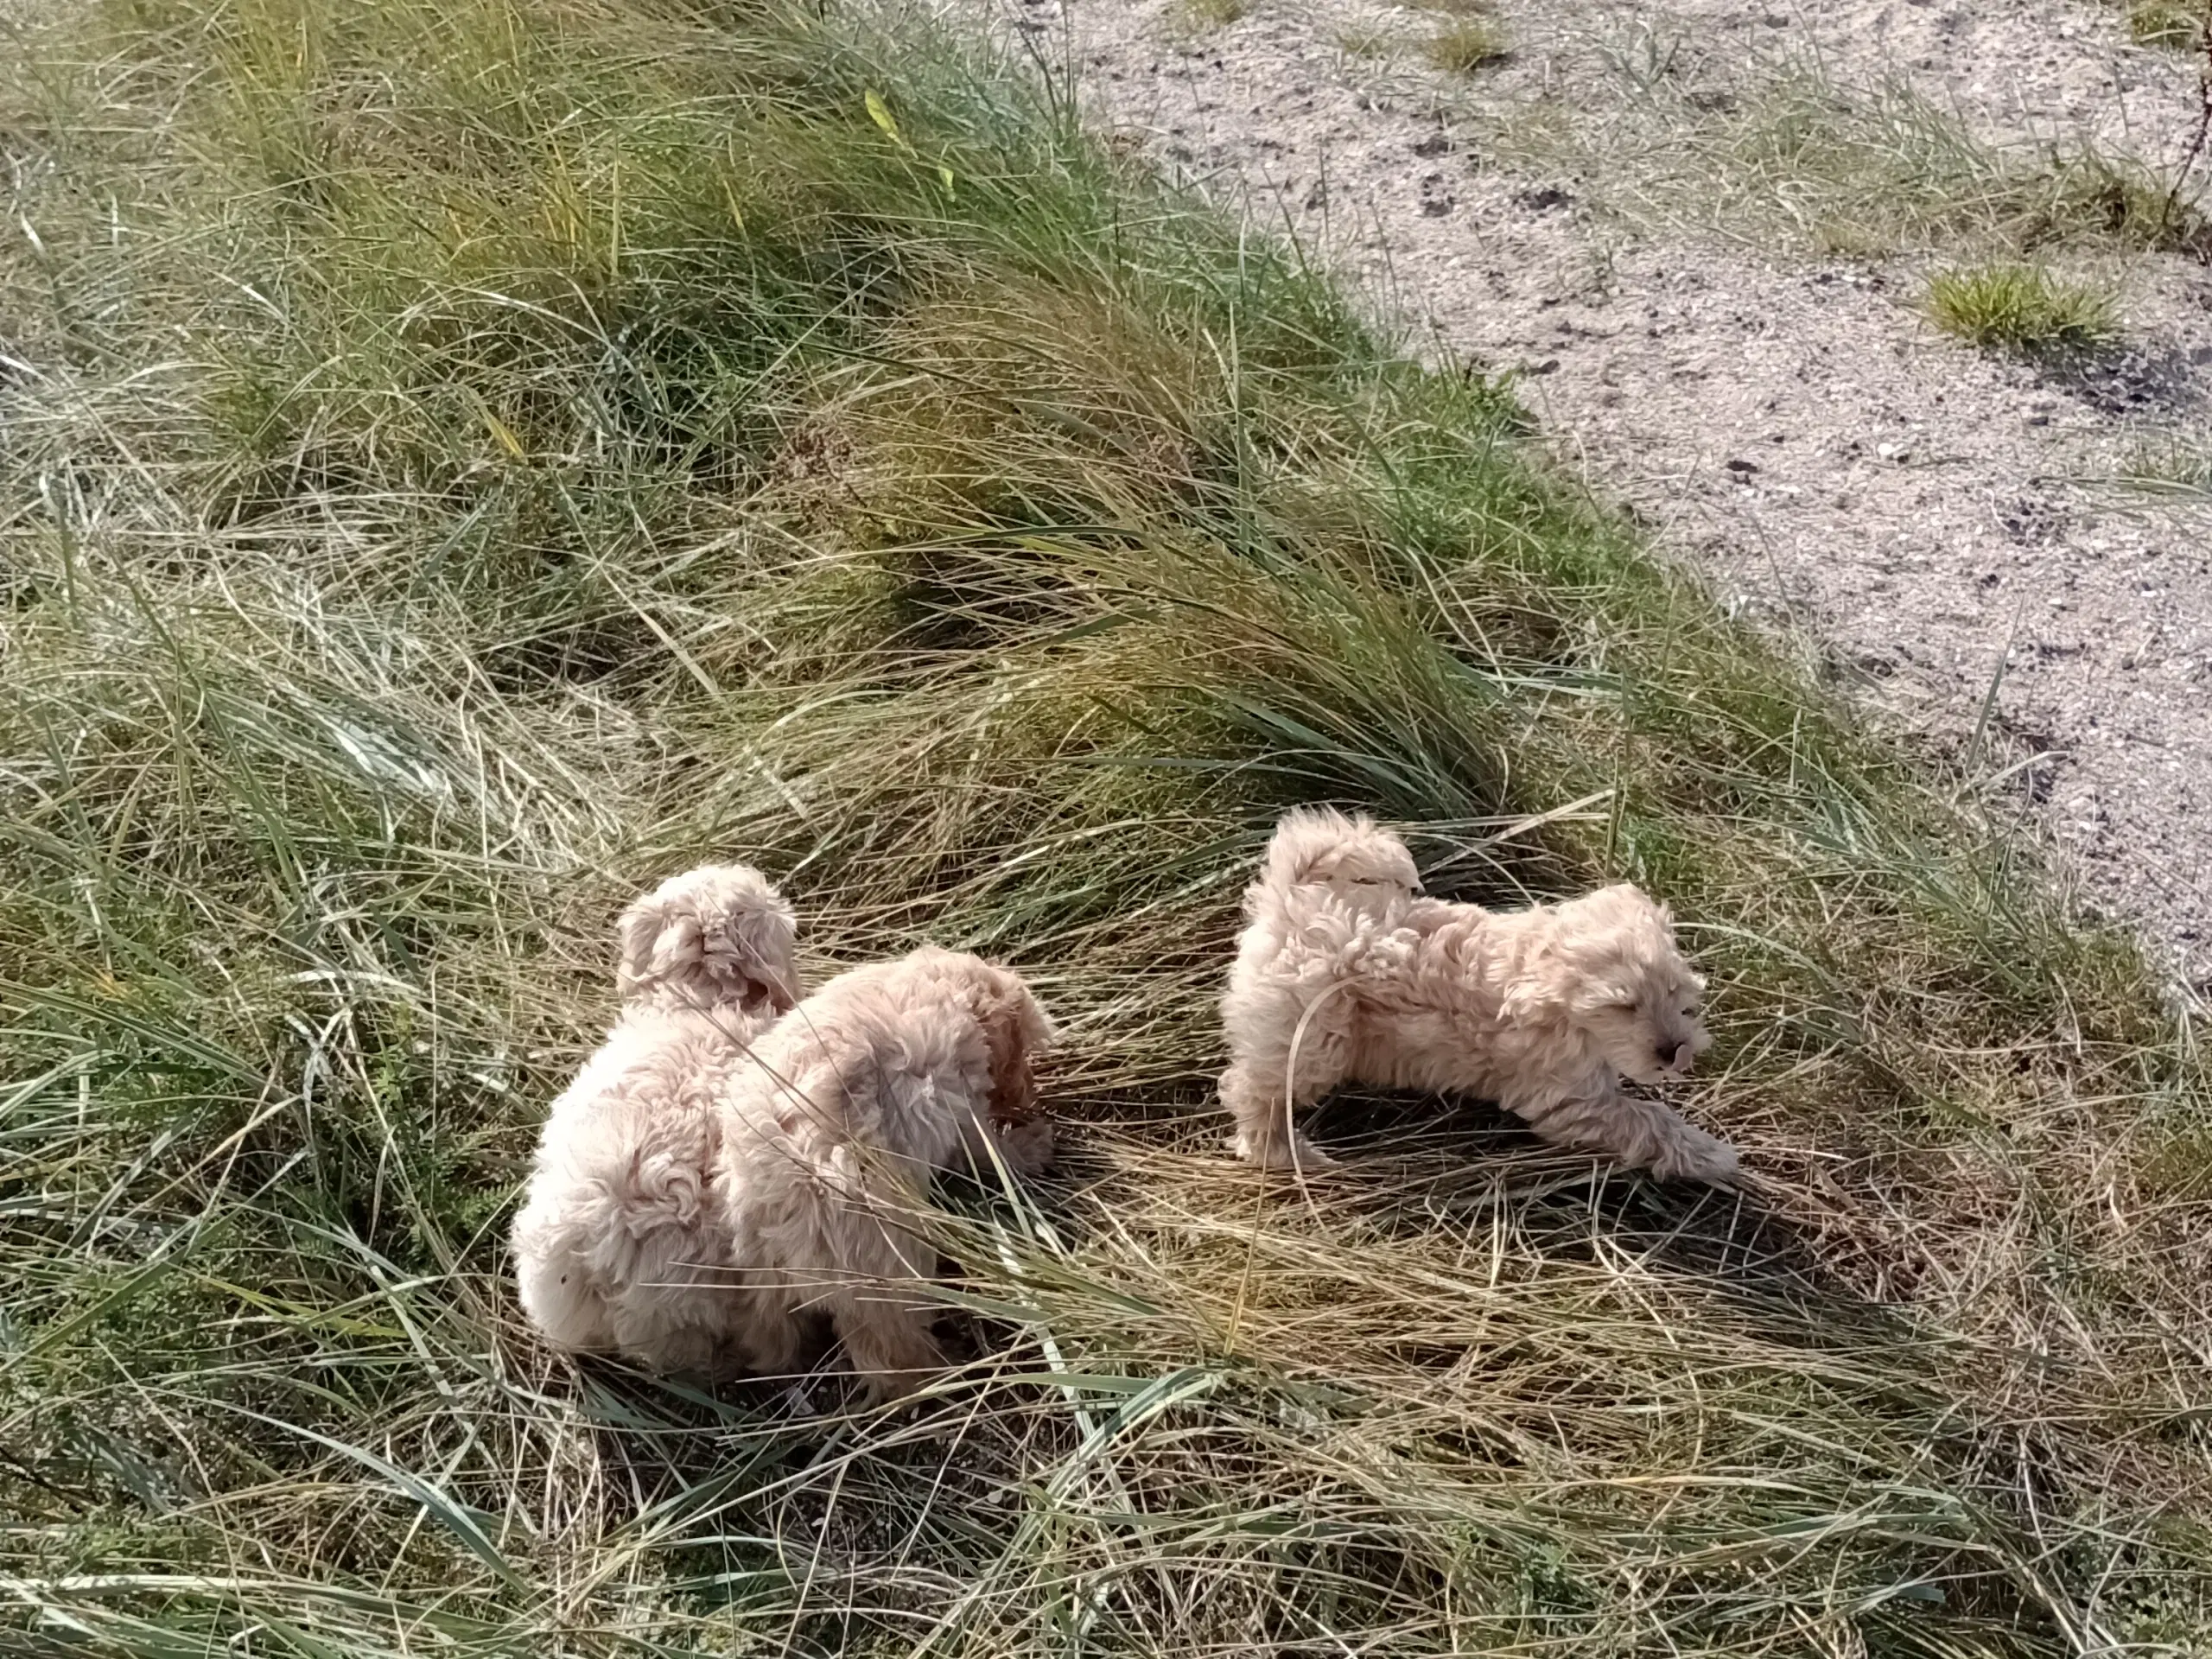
(462, 460)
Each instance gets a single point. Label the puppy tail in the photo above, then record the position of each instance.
(1316, 845)
(613, 1218)
(717, 936)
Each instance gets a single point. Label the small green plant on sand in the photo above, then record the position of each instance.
(2176, 23)
(2022, 309)
(1212, 14)
(2169, 467)
(1466, 46)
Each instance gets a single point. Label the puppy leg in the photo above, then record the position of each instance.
(767, 1339)
(888, 1339)
(1644, 1133)
(1258, 1097)
(668, 1343)
(879, 1307)
(1026, 1147)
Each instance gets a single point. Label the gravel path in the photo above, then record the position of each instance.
(1787, 420)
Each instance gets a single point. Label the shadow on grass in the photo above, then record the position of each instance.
(1426, 1157)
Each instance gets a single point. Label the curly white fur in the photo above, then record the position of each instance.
(1345, 973)
(619, 1232)
(727, 1163)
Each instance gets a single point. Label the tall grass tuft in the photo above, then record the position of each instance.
(460, 461)
(2022, 309)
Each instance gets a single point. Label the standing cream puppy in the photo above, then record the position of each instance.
(1345, 973)
(832, 1138)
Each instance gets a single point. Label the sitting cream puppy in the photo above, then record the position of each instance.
(619, 1232)
(1345, 973)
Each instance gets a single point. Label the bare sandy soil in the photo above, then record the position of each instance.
(1922, 515)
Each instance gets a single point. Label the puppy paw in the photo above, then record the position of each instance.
(1028, 1148)
(1292, 1152)
(1704, 1158)
(879, 1390)
(798, 1403)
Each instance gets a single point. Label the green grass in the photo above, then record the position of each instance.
(1211, 14)
(462, 460)
(2022, 309)
(2176, 23)
(1464, 46)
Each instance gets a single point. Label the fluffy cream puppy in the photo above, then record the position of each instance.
(833, 1136)
(1345, 973)
(618, 1236)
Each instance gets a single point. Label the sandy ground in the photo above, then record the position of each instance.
(1789, 424)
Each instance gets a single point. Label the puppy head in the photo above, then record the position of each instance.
(714, 936)
(1320, 845)
(1626, 985)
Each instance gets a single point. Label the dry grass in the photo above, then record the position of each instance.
(459, 461)
(1778, 151)
(1363, 42)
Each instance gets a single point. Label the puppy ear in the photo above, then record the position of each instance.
(1534, 1001)
(1006, 1014)
(658, 940)
(777, 996)
(1543, 992)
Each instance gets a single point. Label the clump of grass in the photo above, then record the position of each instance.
(2178, 24)
(2023, 308)
(644, 432)
(2172, 466)
(1779, 152)
(1360, 42)
(1211, 14)
(1464, 46)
